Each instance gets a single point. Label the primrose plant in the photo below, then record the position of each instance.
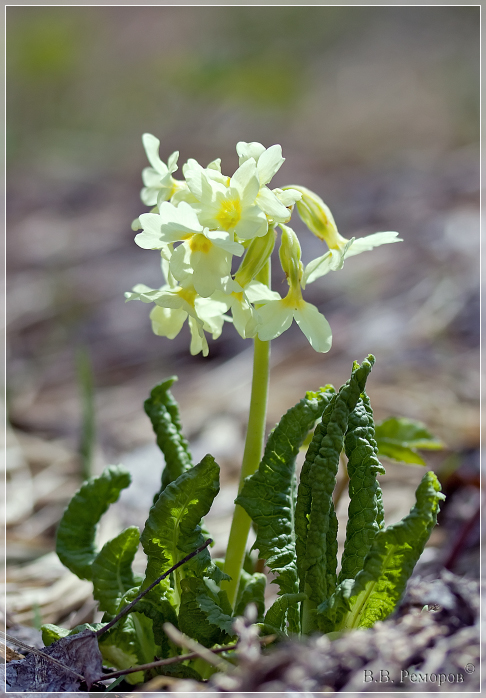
(199, 225)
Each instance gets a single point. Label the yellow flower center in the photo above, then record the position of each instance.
(187, 294)
(229, 213)
(200, 243)
(238, 296)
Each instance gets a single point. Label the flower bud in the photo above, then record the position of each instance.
(290, 254)
(318, 218)
(255, 258)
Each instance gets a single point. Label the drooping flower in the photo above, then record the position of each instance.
(319, 219)
(276, 316)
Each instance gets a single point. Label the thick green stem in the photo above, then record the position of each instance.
(255, 435)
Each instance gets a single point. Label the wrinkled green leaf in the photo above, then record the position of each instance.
(251, 589)
(160, 611)
(75, 542)
(173, 530)
(268, 496)
(112, 569)
(164, 415)
(377, 589)
(276, 616)
(315, 519)
(129, 643)
(205, 613)
(365, 510)
(400, 439)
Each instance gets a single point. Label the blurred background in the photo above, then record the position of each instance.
(376, 109)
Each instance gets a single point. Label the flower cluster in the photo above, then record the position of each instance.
(201, 222)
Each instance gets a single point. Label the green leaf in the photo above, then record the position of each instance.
(377, 589)
(112, 569)
(268, 496)
(251, 590)
(129, 643)
(315, 519)
(399, 439)
(75, 542)
(276, 616)
(215, 571)
(52, 633)
(160, 611)
(164, 415)
(173, 530)
(365, 511)
(205, 613)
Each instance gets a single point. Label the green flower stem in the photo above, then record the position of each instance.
(255, 435)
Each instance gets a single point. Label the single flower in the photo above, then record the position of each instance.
(320, 221)
(229, 208)
(276, 316)
(204, 257)
(268, 162)
(176, 304)
(241, 303)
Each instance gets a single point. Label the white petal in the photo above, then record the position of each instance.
(269, 163)
(151, 145)
(167, 322)
(315, 327)
(180, 266)
(287, 197)
(274, 318)
(209, 269)
(317, 268)
(198, 340)
(200, 185)
(176, 223)
(215, 165)
(182, 193)
(257, 292)
(242, 314)
(249, 150)
(143, 293)
(224, 240)
(253, 223)
(219, 303)
(171, 299)
(149, 240)
(270, 205)
(371, 241)
(172, 161)
(214, 325)
(245, 181)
